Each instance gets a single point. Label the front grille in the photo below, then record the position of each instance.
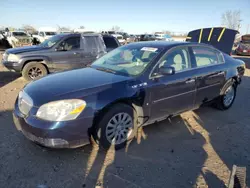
(24, 41)
(24, 103)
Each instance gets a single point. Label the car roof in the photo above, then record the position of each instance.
(78, 34)
(165, 44)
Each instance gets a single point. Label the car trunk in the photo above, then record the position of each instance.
(219, 37)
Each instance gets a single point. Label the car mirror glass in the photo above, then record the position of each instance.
(166, 70)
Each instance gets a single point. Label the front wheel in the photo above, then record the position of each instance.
(116, 127)
(226, 100)
(34, 71)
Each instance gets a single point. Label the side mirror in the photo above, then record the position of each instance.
(167, 70)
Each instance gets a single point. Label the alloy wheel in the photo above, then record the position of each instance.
(229, 96)
(119, 128)
(35, 72)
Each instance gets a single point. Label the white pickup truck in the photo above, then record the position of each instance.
(18, 39)
(45, 33)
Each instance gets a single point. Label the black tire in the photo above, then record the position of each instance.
(101, 126)
(34, 66)
(220, 102)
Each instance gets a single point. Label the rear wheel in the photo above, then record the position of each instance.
(34, 71)
(226, 100)
(116, 127)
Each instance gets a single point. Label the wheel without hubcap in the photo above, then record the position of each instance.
(35, 72)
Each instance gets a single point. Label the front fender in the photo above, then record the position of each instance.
(44, 59)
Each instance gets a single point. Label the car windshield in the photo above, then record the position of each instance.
(19, 34)
(50, 33)
(127, 60)
(51, 41)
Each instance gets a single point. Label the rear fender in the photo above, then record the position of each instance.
(228, 83)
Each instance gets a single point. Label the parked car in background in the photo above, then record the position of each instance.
(132, 86)
(4, 44)
(243, 47)
(147, 37)
(45, 33)
(18, 39)
(58, 53)
(124, 35)
(132, 38)
(163, 37)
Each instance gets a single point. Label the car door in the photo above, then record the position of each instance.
(210, 73)
(175, 93)
(68, 54)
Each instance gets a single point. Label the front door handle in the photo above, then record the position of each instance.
(76, 53)
(188, 81)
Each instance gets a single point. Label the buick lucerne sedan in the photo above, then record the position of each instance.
(132, 86)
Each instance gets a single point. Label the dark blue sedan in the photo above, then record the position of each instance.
(132, 86)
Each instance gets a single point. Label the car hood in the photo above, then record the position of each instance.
(24, 49)
(63, 85)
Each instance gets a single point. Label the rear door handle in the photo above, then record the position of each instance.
(191, 80)
(76, 53)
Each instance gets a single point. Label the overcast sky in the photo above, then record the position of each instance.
(133, 16)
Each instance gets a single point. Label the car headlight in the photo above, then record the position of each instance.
(62, 110)
(12, 57)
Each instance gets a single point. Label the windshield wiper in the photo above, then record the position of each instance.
(105, 70)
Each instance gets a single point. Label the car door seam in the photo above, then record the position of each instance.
(218, 83)
(165, 98)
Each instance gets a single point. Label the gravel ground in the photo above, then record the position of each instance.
(196, 149)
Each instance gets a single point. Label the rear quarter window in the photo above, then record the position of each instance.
(110, 42)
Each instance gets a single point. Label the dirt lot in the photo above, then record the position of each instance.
(196, 149)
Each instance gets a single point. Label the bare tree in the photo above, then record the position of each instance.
(82, 27)
(116, 28)
(29, 28)
(231, 19)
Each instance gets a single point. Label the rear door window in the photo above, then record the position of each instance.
(93, 44)
(205, 56)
